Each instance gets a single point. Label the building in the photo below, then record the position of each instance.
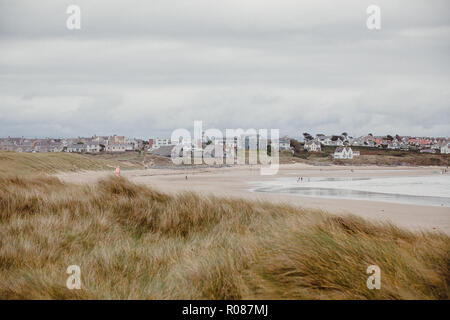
(131, 146)
(77, 147)
(160, 142)
(284, 144)
(420, 142)
(312, 146)
(445, 148)
(46, 146)
(100, 139)
(330, 140)
(393, 145)
(17, 144)
(93, 147)
(343, 153)
(436, 146)
(16, 148)
(116, 139)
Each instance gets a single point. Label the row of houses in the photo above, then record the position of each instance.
(31, 145)
(423, 144)
(96, 148)
(92, 144)
(244, 141)
(344, 152)
(444, 149)
(115, 143)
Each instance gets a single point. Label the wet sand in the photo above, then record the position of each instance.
(233, 182)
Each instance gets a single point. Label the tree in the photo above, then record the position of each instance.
(307, 136)
(296, 145)
(334, 138)
(389, 137)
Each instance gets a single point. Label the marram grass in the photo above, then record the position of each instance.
(132, 242)
(21, 163)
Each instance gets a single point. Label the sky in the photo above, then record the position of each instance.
(145, 68)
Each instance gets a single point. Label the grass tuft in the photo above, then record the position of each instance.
(132, 242)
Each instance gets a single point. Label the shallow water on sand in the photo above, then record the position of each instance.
(423, 190)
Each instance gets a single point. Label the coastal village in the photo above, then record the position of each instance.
(343, 144)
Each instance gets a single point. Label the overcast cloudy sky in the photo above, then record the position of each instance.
(144, 68)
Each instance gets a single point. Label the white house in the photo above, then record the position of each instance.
(436, 146)
(77, 147)
(131, 144)
(284, 144)
(343, 153)
(92, 147)
(160, 142)
(445, 148)
(312, 146)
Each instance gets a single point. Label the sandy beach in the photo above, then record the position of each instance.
(235, 182)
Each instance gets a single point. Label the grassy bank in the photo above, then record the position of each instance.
(133, 242)
(20, 163)
(369, 156)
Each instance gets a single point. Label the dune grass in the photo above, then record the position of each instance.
(21, 163)
(132, 242)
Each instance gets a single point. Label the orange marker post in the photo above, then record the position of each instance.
(118, 171)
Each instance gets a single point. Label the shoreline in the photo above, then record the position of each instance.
(233, 182)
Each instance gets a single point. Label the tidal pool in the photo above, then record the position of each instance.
(423, 190)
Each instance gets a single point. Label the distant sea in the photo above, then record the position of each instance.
(423, 190)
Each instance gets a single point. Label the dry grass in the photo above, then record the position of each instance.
(403, 159)
(134, 243)
(137, 159)
(20, 163)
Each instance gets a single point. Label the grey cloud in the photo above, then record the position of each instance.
(146, 68)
